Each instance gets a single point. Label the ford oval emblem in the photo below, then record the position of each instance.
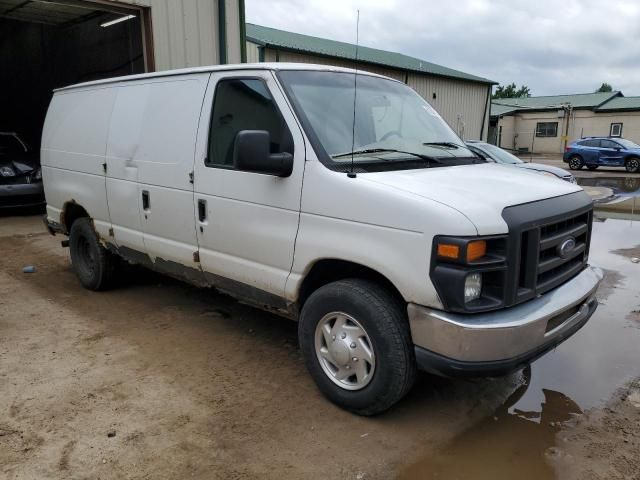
(566, 247)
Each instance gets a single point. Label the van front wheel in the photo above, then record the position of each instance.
(355, 340)
(94, 265)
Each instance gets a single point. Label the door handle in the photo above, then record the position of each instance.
(146, 203)
(202, 210)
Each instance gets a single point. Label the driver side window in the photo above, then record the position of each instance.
(243, 104)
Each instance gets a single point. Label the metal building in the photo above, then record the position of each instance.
(46, 44)
(462, 99)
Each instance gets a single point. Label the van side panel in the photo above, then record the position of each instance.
(73, 152)
(123, 190)
(151, 153)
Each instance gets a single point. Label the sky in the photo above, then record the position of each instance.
(553, 47)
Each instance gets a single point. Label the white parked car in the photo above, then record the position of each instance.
(496, 154)
(394, 247)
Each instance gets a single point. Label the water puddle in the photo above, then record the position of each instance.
(519, 439)
(625, 202)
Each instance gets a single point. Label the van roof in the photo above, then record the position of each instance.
(221, 68)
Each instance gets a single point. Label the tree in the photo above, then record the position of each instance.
(605, 87)
(511, 91)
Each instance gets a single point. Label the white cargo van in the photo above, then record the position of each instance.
(366, 219)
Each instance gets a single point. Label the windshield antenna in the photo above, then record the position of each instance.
(355, 92)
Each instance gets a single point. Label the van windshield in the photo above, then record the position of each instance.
(394, 127)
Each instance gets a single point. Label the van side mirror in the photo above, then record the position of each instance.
(251, 152)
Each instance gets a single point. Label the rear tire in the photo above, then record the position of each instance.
(94, 265)
(592, 167)
(632, 165)
(372, 317)
(576, 162)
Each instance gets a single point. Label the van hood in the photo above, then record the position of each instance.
(480, 192)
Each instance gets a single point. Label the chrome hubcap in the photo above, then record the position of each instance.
(344, 351)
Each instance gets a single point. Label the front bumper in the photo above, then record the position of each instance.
(21, 195)
(495, 343)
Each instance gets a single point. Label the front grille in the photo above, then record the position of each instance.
(551, 268)
(536, 230)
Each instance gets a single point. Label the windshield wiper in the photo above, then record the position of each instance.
(442, 144)
(391, 150)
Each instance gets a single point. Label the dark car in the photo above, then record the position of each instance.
(495, 154)
(20, 173)
(594, 152)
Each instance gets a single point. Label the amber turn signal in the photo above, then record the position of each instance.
(448, 251)
(476, 249)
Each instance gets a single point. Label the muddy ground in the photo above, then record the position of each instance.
(603, 444)
(156, 379)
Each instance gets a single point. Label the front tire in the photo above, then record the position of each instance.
(575, 162)
(632, 165)
(94, 265)
(356, 344)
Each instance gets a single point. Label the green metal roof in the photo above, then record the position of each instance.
(498, 109)
(621, 103)
(321, 46)
(503, 106)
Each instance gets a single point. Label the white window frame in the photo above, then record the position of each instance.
(611, 130)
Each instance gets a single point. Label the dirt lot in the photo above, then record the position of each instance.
(160, 380)
(604, 444)
(157, 379)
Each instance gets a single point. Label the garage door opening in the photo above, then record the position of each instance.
(50, 44)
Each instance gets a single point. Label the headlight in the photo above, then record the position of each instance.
(7, 172)
(469, 273)
(37, 175)
(472, 287)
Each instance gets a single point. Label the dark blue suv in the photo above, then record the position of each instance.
(593, 152)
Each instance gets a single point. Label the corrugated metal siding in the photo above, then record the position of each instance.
(253, 53)
(461, 104)
(285, 56)
(270, 55)
(234, 54)
(185, 32)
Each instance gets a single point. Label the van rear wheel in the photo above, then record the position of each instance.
(94, 265)
(355, 340)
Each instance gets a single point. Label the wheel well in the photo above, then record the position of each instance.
(631, 157)
(70, 213)
(331, 270)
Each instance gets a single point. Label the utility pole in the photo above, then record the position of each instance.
(568, 109)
